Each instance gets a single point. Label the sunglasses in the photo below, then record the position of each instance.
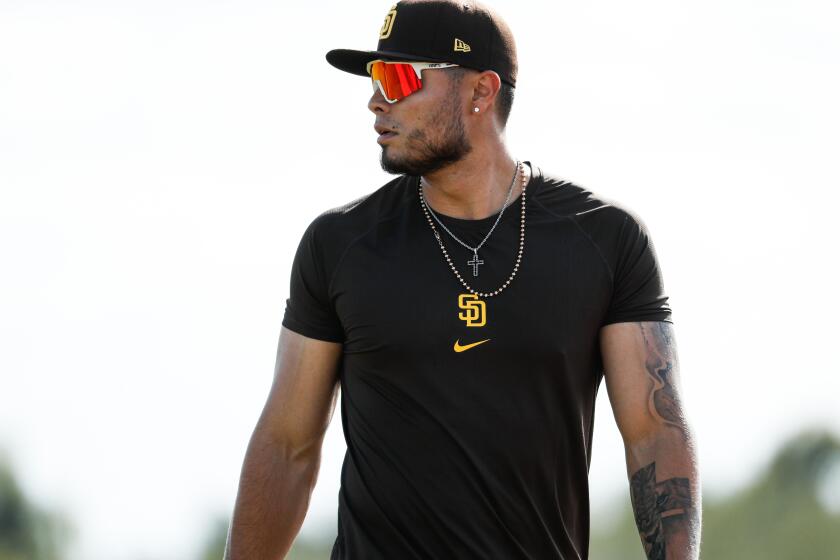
(397, 80)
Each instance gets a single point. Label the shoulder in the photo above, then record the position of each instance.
(566, 198)
(336, 228)
(368, 208)
(597, 215)
(613, 228)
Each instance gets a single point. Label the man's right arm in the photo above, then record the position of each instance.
(284, 454)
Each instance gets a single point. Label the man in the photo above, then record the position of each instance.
(468, 309)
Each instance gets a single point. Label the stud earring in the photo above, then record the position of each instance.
(475, 109)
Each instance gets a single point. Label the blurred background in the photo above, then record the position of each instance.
(159, 161)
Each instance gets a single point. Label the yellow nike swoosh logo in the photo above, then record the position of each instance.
(460, 348)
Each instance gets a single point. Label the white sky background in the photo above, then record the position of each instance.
(160, 160)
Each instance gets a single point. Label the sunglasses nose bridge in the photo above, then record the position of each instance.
(378, 87)
(378, 103)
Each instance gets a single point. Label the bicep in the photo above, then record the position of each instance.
(303, 393)
(641, 372)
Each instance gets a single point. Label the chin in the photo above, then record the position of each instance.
(393, 165)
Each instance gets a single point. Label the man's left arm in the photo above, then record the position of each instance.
(642, 378)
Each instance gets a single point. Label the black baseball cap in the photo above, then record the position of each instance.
(466, 33)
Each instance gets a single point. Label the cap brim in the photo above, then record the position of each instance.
(355, 62)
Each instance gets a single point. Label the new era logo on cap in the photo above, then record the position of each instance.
(461, 46)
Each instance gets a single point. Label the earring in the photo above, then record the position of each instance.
(475, 109)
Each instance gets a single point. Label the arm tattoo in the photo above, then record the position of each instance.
(657, 506)
(663, 402)
(666, 508)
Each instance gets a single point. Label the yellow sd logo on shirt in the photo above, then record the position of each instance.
(475, 310)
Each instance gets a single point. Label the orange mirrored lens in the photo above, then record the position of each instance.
(397, 80)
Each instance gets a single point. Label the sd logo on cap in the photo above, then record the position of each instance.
(466, 33)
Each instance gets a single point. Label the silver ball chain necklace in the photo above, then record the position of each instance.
(474, 262)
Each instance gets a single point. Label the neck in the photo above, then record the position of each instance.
(475, 187)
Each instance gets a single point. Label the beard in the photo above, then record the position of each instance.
(425, 154)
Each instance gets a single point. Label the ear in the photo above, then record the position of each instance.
(486, 86)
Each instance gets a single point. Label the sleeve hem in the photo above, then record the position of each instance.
(632, 319)
(310, 332)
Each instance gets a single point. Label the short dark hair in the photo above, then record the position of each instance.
(504, 99)
(504, 102)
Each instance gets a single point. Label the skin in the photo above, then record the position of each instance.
(467, 167)
(284, 453)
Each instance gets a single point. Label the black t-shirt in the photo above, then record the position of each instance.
(482, 453)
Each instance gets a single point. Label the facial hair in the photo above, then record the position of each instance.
(426, 155)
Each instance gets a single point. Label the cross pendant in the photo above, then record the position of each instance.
(474, 262)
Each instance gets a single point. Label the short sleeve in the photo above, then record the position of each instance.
(638, 292)
(309, 309)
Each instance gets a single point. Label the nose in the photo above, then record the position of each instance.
(377, 103)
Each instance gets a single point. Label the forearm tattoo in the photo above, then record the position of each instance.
(657, 506)
(666, 508)
(663, 402)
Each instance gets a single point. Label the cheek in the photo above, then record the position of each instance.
(416, 135)
(423, 116)
(415, 127)
(418, 110)
(415, 121)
